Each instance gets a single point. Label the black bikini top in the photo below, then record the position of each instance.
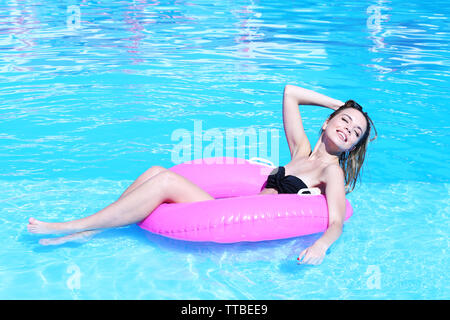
(285, 184)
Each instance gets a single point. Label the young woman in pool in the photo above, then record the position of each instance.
(333, 167)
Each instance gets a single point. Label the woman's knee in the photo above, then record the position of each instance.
(149, 173)
(156, 169)
(166, 177)
(152, 172)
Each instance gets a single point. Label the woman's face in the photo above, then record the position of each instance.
(346, 128)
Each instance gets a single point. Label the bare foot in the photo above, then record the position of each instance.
(83, 236)
(36, 226)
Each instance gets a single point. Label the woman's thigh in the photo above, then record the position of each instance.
(179, 189)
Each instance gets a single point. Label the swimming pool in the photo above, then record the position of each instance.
(93, 92)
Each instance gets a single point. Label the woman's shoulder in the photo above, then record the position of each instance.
(333, 173)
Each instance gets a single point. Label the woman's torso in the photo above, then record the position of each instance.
(309, 171)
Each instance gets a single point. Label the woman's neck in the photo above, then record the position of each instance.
(321, 153)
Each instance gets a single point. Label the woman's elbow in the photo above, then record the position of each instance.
(336, 224)
(291, 89)
(287, 89)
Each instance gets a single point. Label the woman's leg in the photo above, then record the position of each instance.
(142, 178)
(84, 236)
(133, 207)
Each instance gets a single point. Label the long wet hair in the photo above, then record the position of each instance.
(351, 161)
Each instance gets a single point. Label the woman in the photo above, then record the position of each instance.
(332, 166)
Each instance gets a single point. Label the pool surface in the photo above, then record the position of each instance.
(92, 93)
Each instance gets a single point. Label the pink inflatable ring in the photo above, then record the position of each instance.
(237, 213)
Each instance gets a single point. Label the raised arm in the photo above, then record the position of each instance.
(294, 96)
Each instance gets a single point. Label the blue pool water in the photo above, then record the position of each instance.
(91, 93)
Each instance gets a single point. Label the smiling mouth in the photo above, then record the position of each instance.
(342, 135)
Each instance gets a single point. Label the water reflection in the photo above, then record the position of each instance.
(17, 25)
(406, 45)
(374, 24)
(248, 36)
(87, 68)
